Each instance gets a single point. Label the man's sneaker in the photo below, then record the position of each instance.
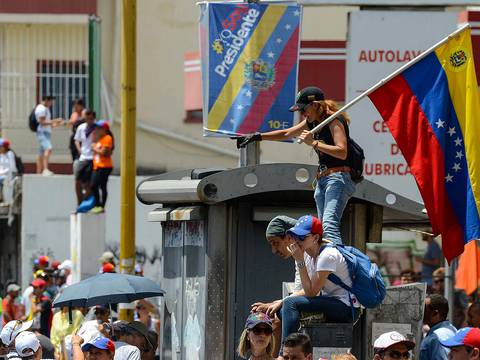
(47, 172)
(96, 210)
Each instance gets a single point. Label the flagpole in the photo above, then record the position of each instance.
(385, 80)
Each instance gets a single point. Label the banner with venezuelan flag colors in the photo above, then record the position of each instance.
(433, 111)
(249, 56)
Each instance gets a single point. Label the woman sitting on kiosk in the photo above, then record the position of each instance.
(316, 260)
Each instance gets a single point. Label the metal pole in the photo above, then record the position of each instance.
(250, 154)
(94, 64)
(450, 286)
(128, 139)
(387, 79)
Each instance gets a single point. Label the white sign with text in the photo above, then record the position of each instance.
(379, 42)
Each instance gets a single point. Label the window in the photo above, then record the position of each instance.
(66, 80)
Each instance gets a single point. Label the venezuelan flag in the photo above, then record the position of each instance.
(432, 110)
(249, 66)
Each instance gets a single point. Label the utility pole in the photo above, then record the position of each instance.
(128, 143)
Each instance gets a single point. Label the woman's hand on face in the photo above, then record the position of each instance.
(306, 137)
(296, 251)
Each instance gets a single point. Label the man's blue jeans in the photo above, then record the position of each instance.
(335, 311)
(331, 196)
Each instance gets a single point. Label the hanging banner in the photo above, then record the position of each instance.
(249, 56)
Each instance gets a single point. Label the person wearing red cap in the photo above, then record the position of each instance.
(334, 183)
(316, 259)
(43, 262)
(41, 307)
(464, 345)
(102, 164)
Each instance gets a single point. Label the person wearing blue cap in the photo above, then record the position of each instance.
(315, 261)
(334, 185)
(98, 348)
(464, 345)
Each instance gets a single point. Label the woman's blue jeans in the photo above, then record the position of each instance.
(335, 311)
(331, 196)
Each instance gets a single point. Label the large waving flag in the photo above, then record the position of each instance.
(433, 111)
(249, 66)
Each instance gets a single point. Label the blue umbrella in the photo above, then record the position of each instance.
(108, 288)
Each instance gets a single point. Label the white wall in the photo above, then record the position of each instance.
(46, 207)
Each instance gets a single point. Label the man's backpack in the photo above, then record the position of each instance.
(367, 281)
(356, 160)
(32, 121)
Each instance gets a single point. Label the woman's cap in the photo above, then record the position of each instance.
(464, 337)
(26, 344)
(279, 226)
(257, 318)
(100, 342)
(103, 123)
(307, 224)
(306, 96)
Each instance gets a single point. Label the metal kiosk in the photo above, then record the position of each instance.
(216, 261)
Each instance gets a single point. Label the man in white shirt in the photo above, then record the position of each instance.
(44, 133)
(84, 166)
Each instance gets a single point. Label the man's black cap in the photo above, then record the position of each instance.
(306, 96)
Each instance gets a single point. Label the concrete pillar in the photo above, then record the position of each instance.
(87, 243)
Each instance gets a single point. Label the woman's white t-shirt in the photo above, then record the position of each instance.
(331, 260)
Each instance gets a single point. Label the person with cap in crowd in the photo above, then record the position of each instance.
(102, 164)
(12, 309)
(435, 316)
(108, 268)
(123, 350)
(137, 335)
(41, 307)
(62, 326)
(257, 338)
(297, 346)
(107, 257)
(464, 345)
(98, 348)
(28, 346)
(316, 260)
(43, 262)
(9, 333)
(67, 267)
(334, 184)
(392, 346)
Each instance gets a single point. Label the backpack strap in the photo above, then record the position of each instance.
(336, 280)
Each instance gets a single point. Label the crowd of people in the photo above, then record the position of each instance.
(304, 240)
(30, 322)
(91, 146)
